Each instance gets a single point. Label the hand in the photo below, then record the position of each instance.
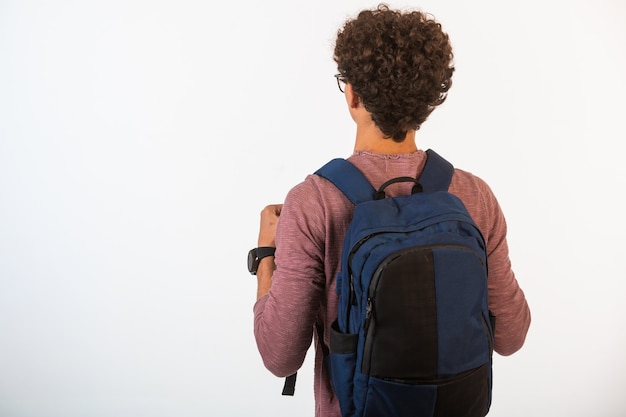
(269, 221)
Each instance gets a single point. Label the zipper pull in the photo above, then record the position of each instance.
(368, 314)
(352, 292)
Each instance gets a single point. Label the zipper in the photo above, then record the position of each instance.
(368, 339)
(352, 296)
(376, 277)
(369, 306)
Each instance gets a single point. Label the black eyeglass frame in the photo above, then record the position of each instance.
(340, 80)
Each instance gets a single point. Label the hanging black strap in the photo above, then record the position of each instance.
(290, 384)
(289, 388)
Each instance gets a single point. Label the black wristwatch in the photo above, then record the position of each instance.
(255, 255)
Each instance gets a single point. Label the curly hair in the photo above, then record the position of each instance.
(399, 64)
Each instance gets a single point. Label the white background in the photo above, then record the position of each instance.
(139, 141)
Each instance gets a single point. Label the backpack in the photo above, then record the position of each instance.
(414, 335)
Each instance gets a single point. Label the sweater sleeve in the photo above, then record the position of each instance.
(284, 318)
(506, 299)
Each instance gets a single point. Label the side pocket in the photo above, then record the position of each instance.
(342, 361)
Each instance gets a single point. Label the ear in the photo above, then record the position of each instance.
(354, 101)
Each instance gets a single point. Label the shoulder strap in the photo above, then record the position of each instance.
(436, 176)
(345, 176)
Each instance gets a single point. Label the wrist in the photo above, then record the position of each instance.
(256, 255)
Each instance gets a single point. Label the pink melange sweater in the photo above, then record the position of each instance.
(309, 240)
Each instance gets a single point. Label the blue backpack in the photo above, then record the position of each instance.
(414, 335)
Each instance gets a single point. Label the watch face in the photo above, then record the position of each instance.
(253, 261)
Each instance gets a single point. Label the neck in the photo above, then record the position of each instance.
(371, 139)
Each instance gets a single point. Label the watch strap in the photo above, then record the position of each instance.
(265, 251)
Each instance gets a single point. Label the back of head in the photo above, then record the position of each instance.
(399, 64)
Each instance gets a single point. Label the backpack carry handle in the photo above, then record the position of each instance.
(417, 187)
(436, 176)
